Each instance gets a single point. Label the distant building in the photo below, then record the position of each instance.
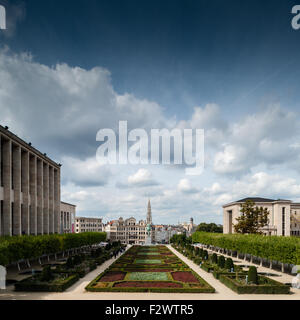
(84, 224)
(130, 231)
(127, 231)
(67, 217)
(190, 227)
(284, 217)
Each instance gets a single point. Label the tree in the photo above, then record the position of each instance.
(209, 227)
(252, 220)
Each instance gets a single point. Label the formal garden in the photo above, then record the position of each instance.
(234, 276)
(149, 269)
(62, 259)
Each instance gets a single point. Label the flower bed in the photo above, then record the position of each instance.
(166, 274)
(148, 284)
(113, 276)
(184, 276)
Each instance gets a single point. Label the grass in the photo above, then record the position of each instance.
(158, 276)
(148, 261)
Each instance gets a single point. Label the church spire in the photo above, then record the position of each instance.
(149, 213)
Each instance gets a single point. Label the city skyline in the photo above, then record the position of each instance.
(68, 71)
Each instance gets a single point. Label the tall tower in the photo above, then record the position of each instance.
(149, 214)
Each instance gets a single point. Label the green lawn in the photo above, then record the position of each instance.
(148, 253)
(159, 276)
(148, 261)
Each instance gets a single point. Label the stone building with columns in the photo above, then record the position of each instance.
(67, 217)
(284, 216)
(29, 189)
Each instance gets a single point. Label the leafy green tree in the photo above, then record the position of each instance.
(253, 218)
(209, 227)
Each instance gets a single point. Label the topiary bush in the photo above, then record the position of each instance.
(70, 263)
(46, 274)
(252, 275)
(221, 262)
(214, 258)
(229, 264)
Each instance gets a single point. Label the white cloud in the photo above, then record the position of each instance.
(141, 178)
(185, 186)
(64, 107)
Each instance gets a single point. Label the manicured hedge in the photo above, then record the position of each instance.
(29, 286)
(283, 249)
(13, 249)
(270, 287)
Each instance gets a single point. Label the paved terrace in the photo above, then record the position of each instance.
(77, 291)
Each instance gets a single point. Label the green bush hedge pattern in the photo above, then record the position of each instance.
(234, 280)
(158, 271)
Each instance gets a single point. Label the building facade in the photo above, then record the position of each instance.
(84, 224)
(67, 217)
(283, 216)
(29, 189)
(131, 231)
(128, 231)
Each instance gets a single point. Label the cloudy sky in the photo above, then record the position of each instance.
(231, 68)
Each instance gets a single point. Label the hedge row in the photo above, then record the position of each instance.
(13, 249)
(270, 287)
(27, 285)
(283, 249)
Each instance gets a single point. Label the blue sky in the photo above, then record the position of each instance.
(228, 67)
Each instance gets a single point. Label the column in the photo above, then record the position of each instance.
(17, 190)
(25, 193)
(7, 216)
(33, 195)
(57, 213)
(40, 201)
(46, 198)
(51, 200)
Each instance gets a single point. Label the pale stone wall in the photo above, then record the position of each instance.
(67, 217)
(29, 188)
(85, 224)
(275, 208)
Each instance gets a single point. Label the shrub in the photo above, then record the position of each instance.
(214, 258)
(77, 260)
(229, 264)
(205, 255)
(46, 274)
(221, 262)
(252, 275)
(70, 263)
(200, 253)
